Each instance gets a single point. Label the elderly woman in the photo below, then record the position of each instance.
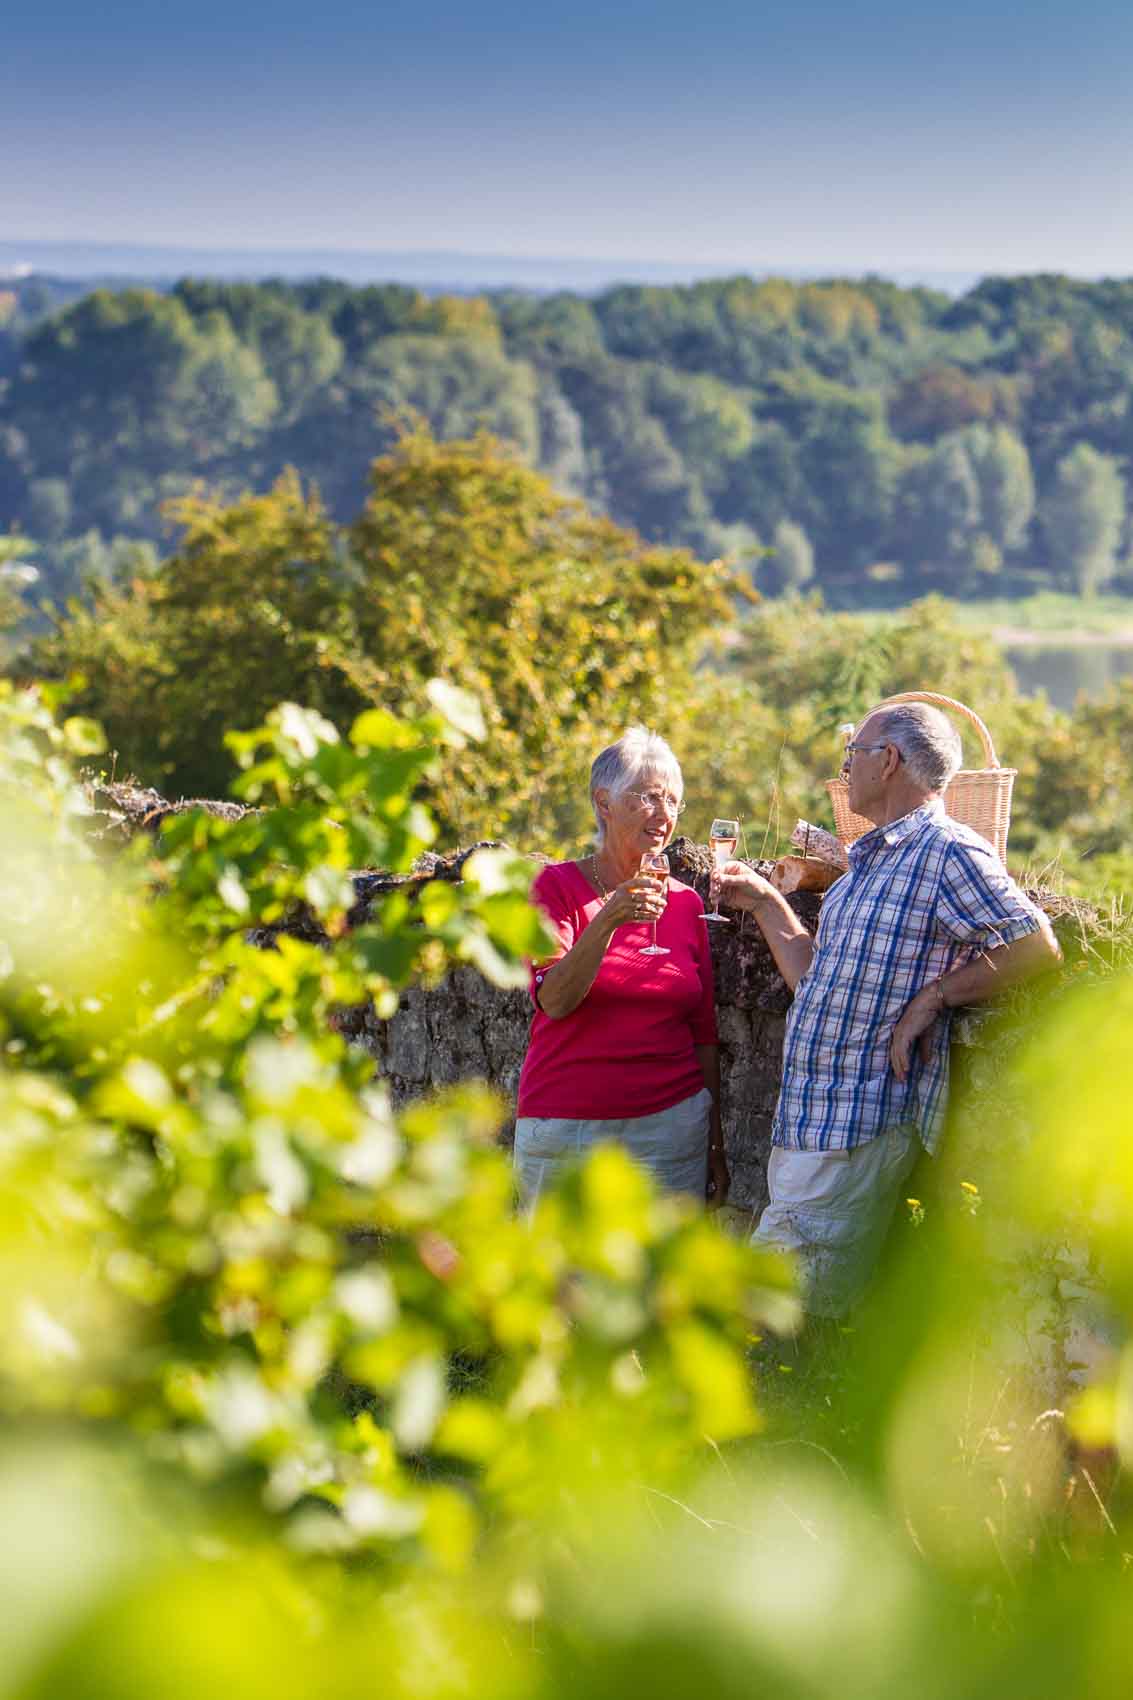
(623, 1043)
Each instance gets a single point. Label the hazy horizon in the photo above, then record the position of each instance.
(429, 268)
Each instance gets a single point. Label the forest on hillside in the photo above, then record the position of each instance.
(871, 441)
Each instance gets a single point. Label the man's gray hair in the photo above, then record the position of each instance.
(929, 743)
(621, 767)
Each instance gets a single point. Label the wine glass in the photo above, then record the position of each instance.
(654, 862)
(723, 836)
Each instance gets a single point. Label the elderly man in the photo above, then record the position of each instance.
(926, 919)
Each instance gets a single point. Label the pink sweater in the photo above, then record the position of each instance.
(629, 1047)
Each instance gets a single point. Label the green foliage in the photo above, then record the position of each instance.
(298, 350)
(683, 413)
(964, 505)
(790, 565)
(466, 565)
(941, 508)
(939, 400)
(161, 380)
(308, 1308)
(1007, 491)
(847, 460)
(811, 670)
(562, 625)
(289, 1396)
(463, 564)
(1083, 515)
(458, 385)
(17, 576)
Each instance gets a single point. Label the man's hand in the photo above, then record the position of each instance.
(719, 1180)
(742, 888)
(787, 939)
(915, 1028)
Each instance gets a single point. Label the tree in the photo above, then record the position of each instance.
(768, 483)
(562, 453)
(549, 329)
(1002, 468)
(790, 566)
(963, 505)
(939, 400)
(75, 565)
(153, 378)
(236, 617)
(464, 564)
(129, 386)
(636, 467)
(708, 421)
(298, 350)
(938, 514)
(362, 316)
(458, 384)
(847, 459)
(18, 574)
(564, 625)
(48, 508)
(1083, 515)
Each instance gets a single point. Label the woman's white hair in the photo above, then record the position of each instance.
(622, 766)
(929, 743)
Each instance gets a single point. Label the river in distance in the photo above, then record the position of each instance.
(1066, 671)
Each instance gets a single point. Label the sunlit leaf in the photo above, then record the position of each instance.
(459, 707)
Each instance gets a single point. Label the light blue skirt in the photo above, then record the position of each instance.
(672, 1144)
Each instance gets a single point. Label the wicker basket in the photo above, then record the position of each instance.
(980, 797)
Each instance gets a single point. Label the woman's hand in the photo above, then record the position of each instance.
(719, 1180)
(639, 898)
(560, 988)
(742, 888)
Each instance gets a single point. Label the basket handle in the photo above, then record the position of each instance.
(969, 714)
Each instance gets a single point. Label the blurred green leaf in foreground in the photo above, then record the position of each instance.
(293, 1403)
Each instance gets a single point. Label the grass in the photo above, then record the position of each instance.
(1095, 889)
(1051, 613)
(1047, 616)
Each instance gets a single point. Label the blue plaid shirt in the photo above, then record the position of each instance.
(922, 895)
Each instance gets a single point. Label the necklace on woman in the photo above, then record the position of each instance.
(598, 880)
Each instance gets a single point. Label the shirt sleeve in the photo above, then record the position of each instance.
(704, 1030)
(549, 896)
(979, 903)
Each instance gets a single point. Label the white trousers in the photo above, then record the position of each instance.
(832, 1209)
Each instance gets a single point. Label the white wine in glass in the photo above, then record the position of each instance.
(654, 862)
(723, 836)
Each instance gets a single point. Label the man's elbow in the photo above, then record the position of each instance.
(1051, 948)
(1043, 951)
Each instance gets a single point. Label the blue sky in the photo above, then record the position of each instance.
(802, 134)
